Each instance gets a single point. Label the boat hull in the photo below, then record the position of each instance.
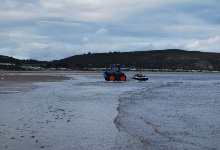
(140, 78)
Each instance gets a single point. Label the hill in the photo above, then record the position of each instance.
(170, 60)
(10, 63)
(156, 59)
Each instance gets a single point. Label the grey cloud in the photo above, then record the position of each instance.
(61, 28)
(6, 42)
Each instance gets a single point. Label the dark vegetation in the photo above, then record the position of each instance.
(10, 63)
(171, 59)
(157, 59)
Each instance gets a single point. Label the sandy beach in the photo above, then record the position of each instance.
(23, 77)
(56, 111)
(81, 111)
(21, 81)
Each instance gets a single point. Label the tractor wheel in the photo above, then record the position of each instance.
(122, 78)
(111, 78)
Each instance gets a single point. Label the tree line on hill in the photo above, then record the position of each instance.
(156, 59)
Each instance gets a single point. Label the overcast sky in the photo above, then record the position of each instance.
(56, 29)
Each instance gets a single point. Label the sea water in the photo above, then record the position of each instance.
(171, 111)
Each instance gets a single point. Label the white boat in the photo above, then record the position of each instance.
(140, 77)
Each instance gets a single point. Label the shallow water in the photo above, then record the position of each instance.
(170, 111)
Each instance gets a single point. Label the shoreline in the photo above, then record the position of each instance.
(15, 82)
(23, 77)
(100, 71)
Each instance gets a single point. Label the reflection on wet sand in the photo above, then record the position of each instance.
(81, 111)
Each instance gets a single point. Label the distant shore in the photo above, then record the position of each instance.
(97, 71)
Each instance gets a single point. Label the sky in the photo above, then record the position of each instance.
(56, 29)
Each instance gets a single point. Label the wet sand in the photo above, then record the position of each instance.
(81, 111)
(12, 82)
(23, 77)
(53, 111)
